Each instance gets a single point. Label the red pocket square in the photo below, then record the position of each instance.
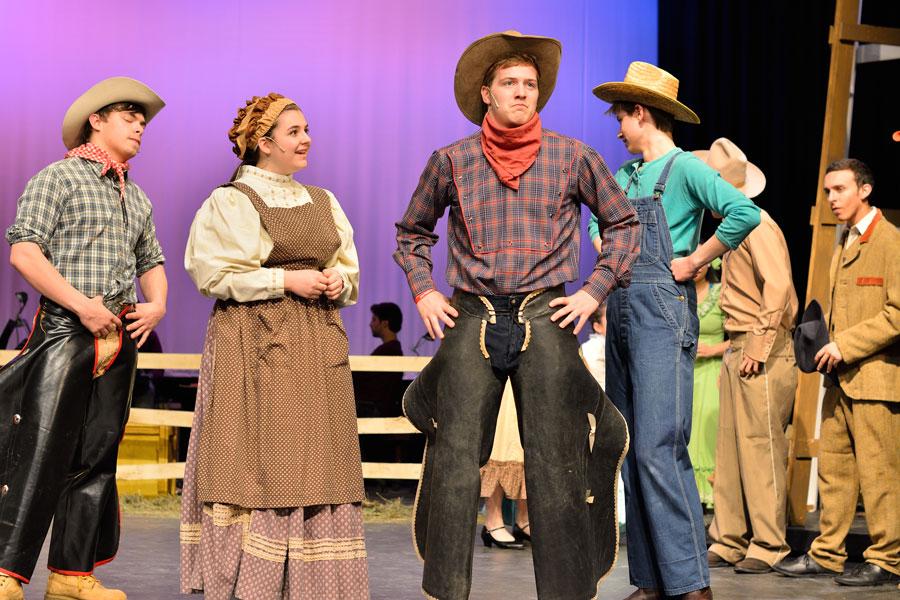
(870, 281)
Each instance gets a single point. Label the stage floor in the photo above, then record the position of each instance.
(147, 569)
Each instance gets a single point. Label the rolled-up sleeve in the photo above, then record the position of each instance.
(617, 225)
(345, 261)
(148, 252)
(38, 210)
(415, 231)
(226, 249)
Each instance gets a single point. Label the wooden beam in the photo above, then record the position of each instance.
(834, 146)
(867, 34)
(391, 470)
(191, 362)
(385, 426)
(167, 418)
(144, 472)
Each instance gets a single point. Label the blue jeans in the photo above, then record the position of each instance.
(650, 346)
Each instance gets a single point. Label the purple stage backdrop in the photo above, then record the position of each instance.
(375, 80)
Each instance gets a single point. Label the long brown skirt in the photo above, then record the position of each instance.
(313, 552)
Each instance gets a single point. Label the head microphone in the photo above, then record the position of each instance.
(274, 142)
(494, 100)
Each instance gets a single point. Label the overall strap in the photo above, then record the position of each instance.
(660, 186)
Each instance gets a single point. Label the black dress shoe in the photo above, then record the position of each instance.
(752, 566)
(802, 566)
(489, 539)
(867, 574)
(519, 533)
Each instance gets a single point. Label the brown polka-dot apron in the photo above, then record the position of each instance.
(280, 426)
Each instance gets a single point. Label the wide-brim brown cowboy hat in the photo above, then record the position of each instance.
(648, 85)
(109, 91)
(730, 161)
(482, 53)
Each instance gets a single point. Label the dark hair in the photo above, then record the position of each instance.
(861, 171)
(88, 130)
(390, 312)
(663, 120)
(510, 59)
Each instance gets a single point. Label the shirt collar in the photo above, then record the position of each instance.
(861, 227)
(270, 178)
(637, 163)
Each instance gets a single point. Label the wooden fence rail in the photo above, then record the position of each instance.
(184, 418)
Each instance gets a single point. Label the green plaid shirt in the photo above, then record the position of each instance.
(96, 241)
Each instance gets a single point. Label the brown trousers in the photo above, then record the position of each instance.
(750, 492)
(859, 448)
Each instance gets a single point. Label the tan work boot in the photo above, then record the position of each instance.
(79, 587)
(10, 588)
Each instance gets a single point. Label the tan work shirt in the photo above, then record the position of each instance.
(758, 294)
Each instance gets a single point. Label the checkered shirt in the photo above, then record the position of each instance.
(503, 242)
(97, 241)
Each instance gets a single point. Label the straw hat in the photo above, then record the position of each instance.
(730, 161)
(108, 91)
(648, 85)
(481, 54)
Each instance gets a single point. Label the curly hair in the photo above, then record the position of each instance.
(254, 121)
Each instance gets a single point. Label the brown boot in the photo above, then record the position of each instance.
(79, 587)
(10, 588)
(645, 594)
(704, 594)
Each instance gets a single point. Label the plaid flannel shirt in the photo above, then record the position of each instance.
(97, 240)
(503, 242)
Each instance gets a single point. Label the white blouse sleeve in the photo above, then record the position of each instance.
(345, 261)
(226, 248)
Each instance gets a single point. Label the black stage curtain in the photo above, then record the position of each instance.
(757, 73)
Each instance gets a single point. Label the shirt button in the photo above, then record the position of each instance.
(16, 419)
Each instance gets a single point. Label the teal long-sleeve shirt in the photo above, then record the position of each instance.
(692, 187)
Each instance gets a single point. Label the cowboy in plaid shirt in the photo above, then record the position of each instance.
(514, 192)
(83, 233)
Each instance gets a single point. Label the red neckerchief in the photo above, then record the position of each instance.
(91, 152)
(510, 152)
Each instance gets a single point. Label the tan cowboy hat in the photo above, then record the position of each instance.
(108, 91)
(481, 54)
(648, 85)
(730, 161)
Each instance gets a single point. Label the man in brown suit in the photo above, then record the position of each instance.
(756, 387)
(858, 446)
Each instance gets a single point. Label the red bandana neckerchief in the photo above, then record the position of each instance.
(91, 152)
(510, 152)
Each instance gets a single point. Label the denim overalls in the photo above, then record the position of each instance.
(650, 348)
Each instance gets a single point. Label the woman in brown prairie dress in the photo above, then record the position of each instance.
(273, 483)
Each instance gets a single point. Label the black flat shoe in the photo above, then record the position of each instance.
(519, 533)
(489, 539)
(867, 574)
(802, 566)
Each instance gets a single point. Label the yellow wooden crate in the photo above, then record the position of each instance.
(148, 444)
